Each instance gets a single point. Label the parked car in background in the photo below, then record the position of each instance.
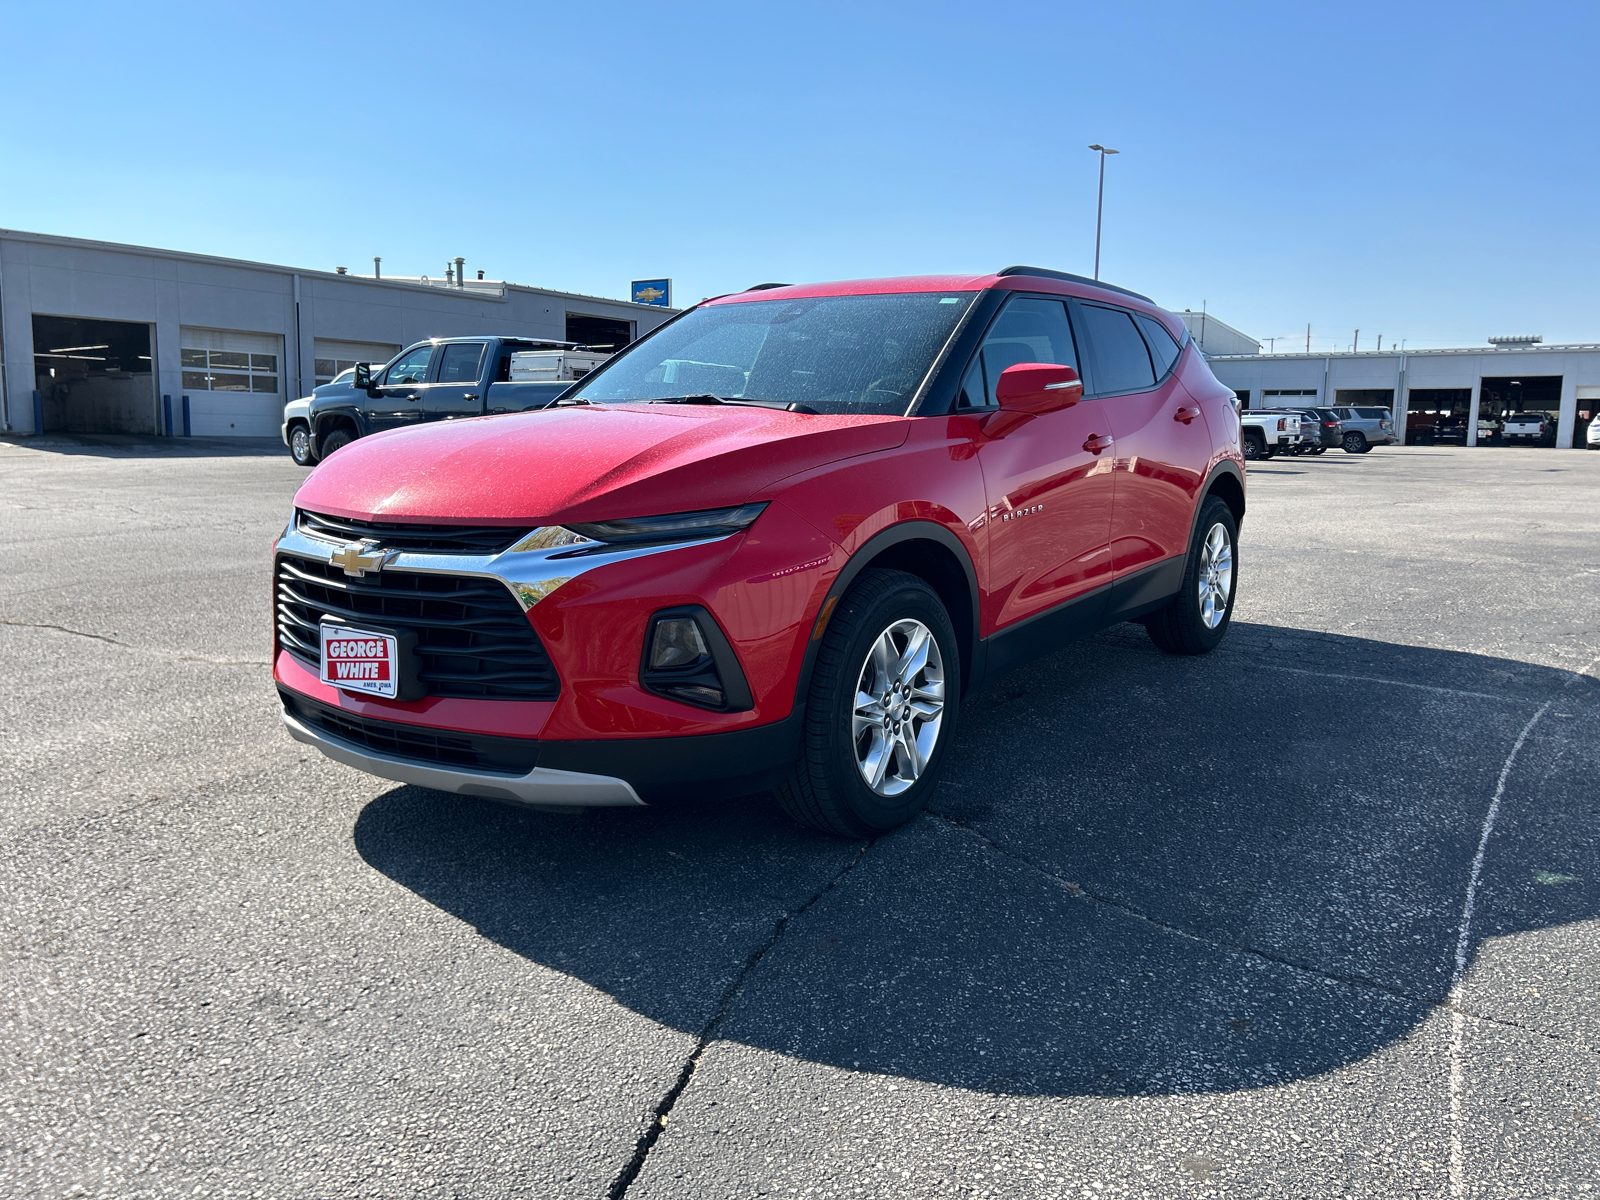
(1322, 430)
(442, 379)
(297, 417)
(1365, 428)
(1268, 431)
(1451, 428)
(775, 544)
(1525, 427)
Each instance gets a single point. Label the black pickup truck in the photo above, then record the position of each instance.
(438, 380)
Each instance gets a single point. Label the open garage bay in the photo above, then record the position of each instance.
(1314, 916)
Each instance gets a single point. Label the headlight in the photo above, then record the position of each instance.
(707, 523)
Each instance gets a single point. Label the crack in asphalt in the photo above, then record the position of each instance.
(708, 1033)
(1448, 1003)
(160, 653)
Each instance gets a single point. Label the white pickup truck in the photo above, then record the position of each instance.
(1266, 432)
(1523, 427)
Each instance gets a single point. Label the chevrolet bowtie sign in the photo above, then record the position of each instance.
(357, 558)
(653, 291)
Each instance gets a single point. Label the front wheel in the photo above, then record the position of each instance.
(300, 446)
(337, 440)
(1195, 620)
(880, 711)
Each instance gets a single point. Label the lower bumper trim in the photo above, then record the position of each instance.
(542, 787)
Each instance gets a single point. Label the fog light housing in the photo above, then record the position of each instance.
(689, 659)
(677, 643)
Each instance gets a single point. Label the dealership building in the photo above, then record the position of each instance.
(103, 338)
(1473, 388)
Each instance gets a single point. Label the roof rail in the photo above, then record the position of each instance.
(1047, 273)
(761, 287)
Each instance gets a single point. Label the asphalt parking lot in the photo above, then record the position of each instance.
(1174, 927)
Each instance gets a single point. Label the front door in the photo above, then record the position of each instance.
(1048, 482)
(399, 398)
(455, 391)
(1163, 442)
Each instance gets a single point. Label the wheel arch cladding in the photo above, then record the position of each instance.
(1225, 485)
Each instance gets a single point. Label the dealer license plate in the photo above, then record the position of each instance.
(359, 660)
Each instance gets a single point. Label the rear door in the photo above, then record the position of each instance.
(457, 387)
(1048, 482)
(1163, 442)
(399, 398)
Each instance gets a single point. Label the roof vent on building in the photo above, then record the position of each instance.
(1517, 339)
(342, 270)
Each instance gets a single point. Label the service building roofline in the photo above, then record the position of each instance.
(432, 289)
(1315, 356)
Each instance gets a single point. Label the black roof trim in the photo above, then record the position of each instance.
(762, 287)
(1047, 273)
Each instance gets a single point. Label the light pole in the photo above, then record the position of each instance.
(1100, 203)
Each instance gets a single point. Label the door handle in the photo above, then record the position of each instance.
(1186, 415)
(1097, 443)
(470, 396)
(413, 396)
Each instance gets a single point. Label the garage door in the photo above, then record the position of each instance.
(335, 356)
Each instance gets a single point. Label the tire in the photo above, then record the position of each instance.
(335, 441)
(300, 446)
(1255, 446)
(1189, 625)
(1355, 442)
(1320, 450)
(879, 618)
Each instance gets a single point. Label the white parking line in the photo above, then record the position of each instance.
(1458, 1018)
(1443, 691)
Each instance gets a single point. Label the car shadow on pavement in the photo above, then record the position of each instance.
(128, 445)
(1144, 874)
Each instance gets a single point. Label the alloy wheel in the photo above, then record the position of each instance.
(300, 446)
(1216, 576)
(899, 707)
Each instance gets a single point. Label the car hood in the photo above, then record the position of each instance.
(584, 463)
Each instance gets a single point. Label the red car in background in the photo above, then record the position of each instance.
(772, 545)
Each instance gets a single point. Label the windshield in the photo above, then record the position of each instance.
(832, 354)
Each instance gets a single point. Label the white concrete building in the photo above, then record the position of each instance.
(1215, 337)
(99, 337)
(1470, 384)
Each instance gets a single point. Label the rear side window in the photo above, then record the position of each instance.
(1028, 330)
(1162, 348)
(459, 362)
(1122, 364)
(1372, 414)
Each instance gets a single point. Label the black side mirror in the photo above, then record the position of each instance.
(363, 377)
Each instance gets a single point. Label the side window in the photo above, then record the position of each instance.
(1162, 348)
(1122, 364)
(1027, 330)
(410, 367)
(459, 362)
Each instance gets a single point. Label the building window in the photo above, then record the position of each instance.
(330, 368)
(229, 371)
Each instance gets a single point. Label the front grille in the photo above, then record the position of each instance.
(473, 639)
(477, 752)
(414, 539)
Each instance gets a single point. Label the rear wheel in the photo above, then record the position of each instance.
(1320, 450)
(337, 440)
(300, 446)
(1255, 446)
(1355, 442)
(1195, 620)
(880, 711)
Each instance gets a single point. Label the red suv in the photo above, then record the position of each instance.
(773, 545)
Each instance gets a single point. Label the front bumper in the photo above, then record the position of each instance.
(542, 787)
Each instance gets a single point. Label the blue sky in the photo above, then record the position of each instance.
(1420, 171)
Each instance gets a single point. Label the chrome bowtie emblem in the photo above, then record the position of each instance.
(357, 558)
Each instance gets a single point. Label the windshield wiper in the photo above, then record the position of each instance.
(708, 398)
